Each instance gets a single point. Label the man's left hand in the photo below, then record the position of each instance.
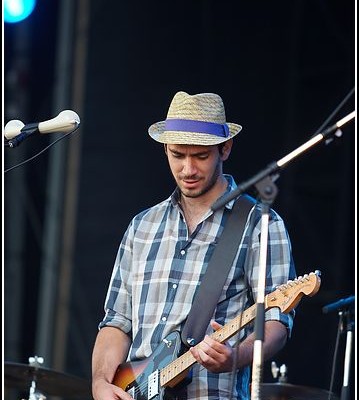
(214, 356)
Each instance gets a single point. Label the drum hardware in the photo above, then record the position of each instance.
(282, 390)
(346, 323)
(34, 394)
(281, 371)
(42, 382)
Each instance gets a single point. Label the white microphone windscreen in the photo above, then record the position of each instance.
(13, 128)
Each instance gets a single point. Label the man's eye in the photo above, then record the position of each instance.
(203, 156)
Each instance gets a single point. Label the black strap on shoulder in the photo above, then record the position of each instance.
(217, 271)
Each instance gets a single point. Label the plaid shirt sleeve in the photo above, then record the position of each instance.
(280, 266)
(118, 311)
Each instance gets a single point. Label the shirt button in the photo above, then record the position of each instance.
(183, 252)
(164, 319)
(174, 286)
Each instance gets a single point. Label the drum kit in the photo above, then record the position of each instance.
(42, 382)
(282, 390)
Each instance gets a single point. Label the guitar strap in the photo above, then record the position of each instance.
(217, 271)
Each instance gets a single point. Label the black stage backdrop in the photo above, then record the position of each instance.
(281, 68)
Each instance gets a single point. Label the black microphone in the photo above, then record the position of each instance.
(339, 305)
(16, 131)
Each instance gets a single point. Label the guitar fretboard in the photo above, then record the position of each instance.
(184, 362)
(285, 297)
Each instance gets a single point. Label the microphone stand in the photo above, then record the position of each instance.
(346, 321)
(275, 166)
(267, 191)
(264, 184)
(349, 326)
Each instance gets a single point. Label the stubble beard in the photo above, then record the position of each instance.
(206, 189)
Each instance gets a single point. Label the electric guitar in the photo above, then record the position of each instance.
(149, 378)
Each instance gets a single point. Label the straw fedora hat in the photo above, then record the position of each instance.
(197, 119)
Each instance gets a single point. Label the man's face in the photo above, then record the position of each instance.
(196, 168)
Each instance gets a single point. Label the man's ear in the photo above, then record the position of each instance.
(226, 149)
(165, 147)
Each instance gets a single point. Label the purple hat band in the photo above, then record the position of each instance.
(187, 125)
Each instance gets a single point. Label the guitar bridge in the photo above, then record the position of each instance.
(153, 386)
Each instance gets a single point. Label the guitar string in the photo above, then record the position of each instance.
(144, 385)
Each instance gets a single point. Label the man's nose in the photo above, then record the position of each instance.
(189, 167)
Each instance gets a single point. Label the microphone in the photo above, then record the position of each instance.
(16, 131)
(339, 305)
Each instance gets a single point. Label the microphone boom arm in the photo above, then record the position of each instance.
(272, 169)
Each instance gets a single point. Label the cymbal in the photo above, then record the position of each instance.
(48, 382)
(286, 391)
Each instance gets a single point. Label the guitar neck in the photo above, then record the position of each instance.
(173, 372)
(285, 297)
(142, 376)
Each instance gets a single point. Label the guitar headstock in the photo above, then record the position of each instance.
(288, 295)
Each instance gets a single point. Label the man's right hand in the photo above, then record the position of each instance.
(103, 390)
(110, 350)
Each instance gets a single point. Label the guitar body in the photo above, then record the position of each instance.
(133, 377)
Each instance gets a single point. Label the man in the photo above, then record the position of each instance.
(164, 255)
